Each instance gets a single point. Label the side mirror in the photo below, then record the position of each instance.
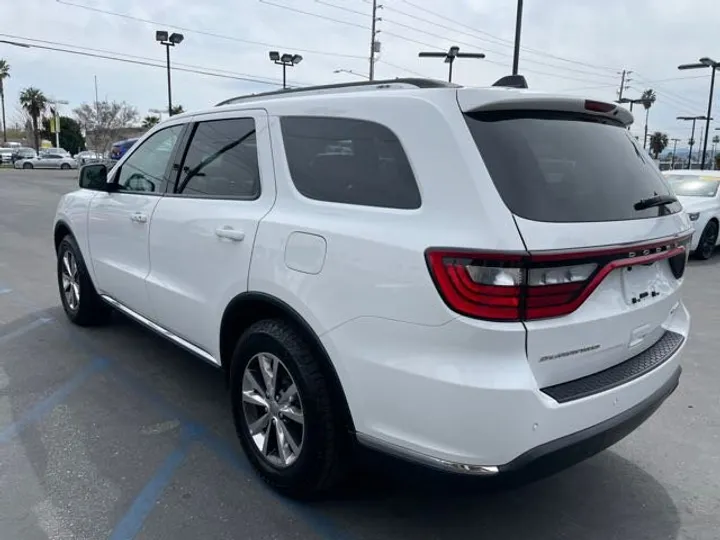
(94, 177)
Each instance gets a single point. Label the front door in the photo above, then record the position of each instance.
(202, 233)
(119, 221)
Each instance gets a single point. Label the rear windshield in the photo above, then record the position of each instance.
(567, 167)
(687, 185)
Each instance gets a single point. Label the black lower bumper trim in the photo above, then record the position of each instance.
(576, 447)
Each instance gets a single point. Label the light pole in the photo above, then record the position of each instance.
(285, 60)
(518, 29)
(692, 137)
(162, 37)
(450, 56)
(56, 118)
(705, 62)
(351, 72)
(672, 160)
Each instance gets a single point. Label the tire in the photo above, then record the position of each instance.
(320, 462)
(28, 166)
(708, 240)
(64, 166)
(81, 302)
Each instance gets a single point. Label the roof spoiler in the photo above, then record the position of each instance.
(512, 81)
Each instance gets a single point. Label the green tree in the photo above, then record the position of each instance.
(150, 121)
(34, 102)
(658, 143)
(648, 100)
(4, 74)
(177, 109)
(71, 137)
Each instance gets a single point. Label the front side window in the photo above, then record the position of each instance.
(348, 161)
(146, 170)
(222, 161)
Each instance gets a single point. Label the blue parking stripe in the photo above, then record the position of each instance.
(131, 523)
(53, 400)
(24, 329)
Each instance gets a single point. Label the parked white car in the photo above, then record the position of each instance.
(698, 193)
(47, 161)
(481, 279)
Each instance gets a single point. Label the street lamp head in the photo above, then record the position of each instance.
(296, 59)
(692, 66)
(161, 35)
(709, 62)
(286, 58)
(274, 56)
(176, 39)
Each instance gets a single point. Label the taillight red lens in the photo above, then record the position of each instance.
(512, 287)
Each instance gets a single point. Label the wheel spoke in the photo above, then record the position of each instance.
(73, 268)
(268, 368)
(66, 264)
(260, 424)
(76, 291)
(252, 397)
(282, 446)
(288, 437)
(266, 438)
(293, 413)
(287, 395)
(66, 283)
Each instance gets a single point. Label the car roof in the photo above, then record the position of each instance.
(691, 172)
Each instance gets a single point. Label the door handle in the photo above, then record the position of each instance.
(138, 217)
(230, 233)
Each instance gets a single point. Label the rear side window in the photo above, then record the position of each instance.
(567, 167)
(348, 161)
(222, 161)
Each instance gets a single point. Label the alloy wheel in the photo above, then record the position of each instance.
(709, 241)
(70, 280)
(273, 410)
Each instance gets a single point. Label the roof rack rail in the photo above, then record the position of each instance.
(512, 81)
(332, 88)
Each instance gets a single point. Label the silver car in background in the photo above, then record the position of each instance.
(47, 160)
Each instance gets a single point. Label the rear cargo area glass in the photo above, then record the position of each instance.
(567, 167)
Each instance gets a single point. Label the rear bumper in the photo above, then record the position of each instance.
(462, 398)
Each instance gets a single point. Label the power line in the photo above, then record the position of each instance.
(206, 33)
(526, 49)
(148, 63)
(317, 15)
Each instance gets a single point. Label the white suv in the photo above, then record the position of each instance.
(471, 279)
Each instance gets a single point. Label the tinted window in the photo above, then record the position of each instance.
(222, 161)
(685, 185)
(145, 171)
(566, 167)
(348, 161)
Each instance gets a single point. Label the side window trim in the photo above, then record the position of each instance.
(186, 144)
(168, 167)
(178, 158)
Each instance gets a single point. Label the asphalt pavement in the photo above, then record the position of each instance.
(115, 433)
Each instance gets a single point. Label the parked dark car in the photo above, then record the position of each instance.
(119, 148)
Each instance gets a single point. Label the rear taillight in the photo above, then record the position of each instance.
(517, 287)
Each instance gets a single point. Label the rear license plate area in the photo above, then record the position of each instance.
(642, 283)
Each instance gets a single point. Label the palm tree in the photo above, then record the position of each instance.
(177, 109)
(715, 141)
(4, 74)
(658, 143)
(149, 121)
(34, 102)
(648, 98)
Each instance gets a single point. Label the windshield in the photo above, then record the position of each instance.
(693, 186)
(567, 167)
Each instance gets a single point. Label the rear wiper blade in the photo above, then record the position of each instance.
(658, 200)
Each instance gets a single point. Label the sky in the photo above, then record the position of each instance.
(569, 46)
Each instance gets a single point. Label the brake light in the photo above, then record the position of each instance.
(599, 106)
(513, 287)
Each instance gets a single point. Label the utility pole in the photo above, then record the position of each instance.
(691, 142)
(624, 85)
(672, 160)
(374, 45)
(705, 62)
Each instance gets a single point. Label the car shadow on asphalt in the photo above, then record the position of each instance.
(602, 498)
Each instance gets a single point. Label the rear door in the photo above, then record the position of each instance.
(602, 286)
(202, 233)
